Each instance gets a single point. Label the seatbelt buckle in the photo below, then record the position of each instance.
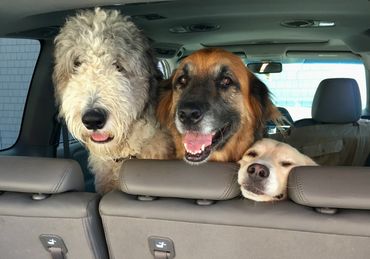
(53, 244)
(161, 247)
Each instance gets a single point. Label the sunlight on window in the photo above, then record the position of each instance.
(294, 88)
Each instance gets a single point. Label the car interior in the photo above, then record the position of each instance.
(314, 56)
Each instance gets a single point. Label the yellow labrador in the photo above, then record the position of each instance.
(265, 167)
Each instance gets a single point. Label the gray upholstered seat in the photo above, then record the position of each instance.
(42, 199)
(334, 135)
(337, 101)
(338, 187)
(231, 227)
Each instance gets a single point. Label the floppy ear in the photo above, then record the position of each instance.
(63, 66)
(309, 161)
(264, 108)
(164, 106)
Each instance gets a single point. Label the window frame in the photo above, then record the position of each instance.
(27, 94)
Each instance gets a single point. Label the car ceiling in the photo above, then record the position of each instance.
(251, 24)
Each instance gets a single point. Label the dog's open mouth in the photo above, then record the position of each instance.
(100, 137)
(198, 146)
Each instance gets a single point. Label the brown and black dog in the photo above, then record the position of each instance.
(214, 107)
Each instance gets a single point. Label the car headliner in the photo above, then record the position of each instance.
(254, 25)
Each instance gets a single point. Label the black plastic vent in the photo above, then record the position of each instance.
(150, 16)
(302, 23)
(298, 23)
(203, 27)
(199, 27)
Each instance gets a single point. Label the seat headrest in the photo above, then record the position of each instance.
(337, 100)
(39, 175)
(330, 187)
(177, 179)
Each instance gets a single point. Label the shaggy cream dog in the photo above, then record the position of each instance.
(105, 79)
(265, 167)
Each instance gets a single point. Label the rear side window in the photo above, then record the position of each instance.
(17, 62)
(295, 87)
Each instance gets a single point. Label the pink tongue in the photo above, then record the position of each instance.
(193, 142)
(99, 137)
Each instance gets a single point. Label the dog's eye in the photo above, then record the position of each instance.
(226, 81)
(118, 66)
(182, 80)
(286, 164)
(252, 154)
(76, 63)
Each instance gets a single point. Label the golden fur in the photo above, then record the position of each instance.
(254, 109)
(276, 157)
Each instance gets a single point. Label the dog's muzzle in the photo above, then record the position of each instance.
(197, 143)
(94, 119)
(190, 113)
(257, 174)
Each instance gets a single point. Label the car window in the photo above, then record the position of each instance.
(17, 62)
(295, 87)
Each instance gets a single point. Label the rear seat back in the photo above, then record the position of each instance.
(42, 200)
(230, 227)
(335, 135)
(331, 187)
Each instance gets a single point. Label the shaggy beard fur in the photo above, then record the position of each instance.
(103, 61)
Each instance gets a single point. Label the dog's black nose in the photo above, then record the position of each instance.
(190, 112)
(258, 171)
(94, 119)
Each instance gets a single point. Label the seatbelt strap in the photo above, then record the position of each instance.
(66, 151)
(56, 253)
(160, 255)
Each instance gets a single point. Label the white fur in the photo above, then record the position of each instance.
(116, 72)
